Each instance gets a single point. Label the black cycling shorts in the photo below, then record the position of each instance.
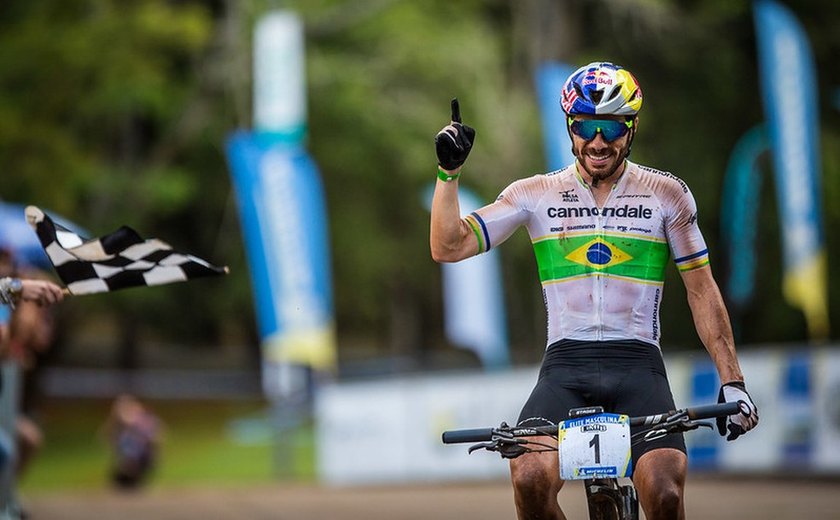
(626, 377)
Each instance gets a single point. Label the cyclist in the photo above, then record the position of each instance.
(602, 231)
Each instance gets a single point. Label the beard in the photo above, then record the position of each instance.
(599, 170)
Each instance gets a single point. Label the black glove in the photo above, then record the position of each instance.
(743, 422)
(454, 142)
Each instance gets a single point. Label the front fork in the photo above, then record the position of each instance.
(607, 500)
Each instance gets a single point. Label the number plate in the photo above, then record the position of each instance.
(595, 446)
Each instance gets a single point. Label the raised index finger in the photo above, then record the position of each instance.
(456, 111)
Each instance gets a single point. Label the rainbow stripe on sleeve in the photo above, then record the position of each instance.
(693, 261)
(480, 229)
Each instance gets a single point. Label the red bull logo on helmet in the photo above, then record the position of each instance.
(598, 77)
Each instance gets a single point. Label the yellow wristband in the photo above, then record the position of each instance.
(445, 177)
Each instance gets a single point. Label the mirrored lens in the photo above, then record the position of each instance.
(611, 129)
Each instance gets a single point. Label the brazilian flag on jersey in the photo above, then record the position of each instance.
(636, 258)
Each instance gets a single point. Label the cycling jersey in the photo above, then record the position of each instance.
(601, 269)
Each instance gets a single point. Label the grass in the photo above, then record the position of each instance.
(204, 443)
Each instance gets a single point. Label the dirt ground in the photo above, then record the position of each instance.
(705, 498)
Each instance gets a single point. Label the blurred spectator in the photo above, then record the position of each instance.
(133, 433)
(26, 330)
(31, 336)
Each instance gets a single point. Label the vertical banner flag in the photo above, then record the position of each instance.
(558, 146)
(788, 84)
(283, 214)
(739, 215)
(473, 299)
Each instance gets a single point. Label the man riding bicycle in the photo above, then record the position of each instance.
(602, 231)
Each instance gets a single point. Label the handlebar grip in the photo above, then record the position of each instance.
(474, 435)
(711, 411)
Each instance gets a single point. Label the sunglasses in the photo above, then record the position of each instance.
(611, 129)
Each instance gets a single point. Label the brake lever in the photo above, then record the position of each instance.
(489, 446)
(504, 443)
(693, 425)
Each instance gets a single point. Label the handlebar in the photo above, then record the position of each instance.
(694, 413)
(474, 435)
(676, 420)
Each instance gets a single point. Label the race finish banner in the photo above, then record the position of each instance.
(787, 67)
(284, 217)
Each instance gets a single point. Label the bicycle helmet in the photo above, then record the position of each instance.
(601, 88)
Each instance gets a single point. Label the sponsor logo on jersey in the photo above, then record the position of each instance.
(634, 196)
(669, 175)
(569, 195)
(626, 211)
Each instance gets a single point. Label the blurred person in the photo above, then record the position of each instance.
(133, 434)
(602, 229)
(19, 437)
(23, 300)
(32, 329)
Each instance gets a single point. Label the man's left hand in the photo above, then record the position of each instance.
(739, 424)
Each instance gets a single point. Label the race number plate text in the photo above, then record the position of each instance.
(595, 446)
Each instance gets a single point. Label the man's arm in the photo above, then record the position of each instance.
(712, 322)
(41, 292)
(451, 238)
(715, 331)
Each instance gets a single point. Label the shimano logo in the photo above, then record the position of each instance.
(626, 211)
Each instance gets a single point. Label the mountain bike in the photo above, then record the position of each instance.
(597, 448)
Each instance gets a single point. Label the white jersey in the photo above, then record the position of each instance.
(601, 269)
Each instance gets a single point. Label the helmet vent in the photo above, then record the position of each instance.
(596, 96)
(614, 93)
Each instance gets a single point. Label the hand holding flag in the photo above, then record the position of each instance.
(116, 261)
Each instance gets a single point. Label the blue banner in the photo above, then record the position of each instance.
(284, 221)
(797, 402)
(703, 445)
(788, 84)
(558, 145)
(739, 215)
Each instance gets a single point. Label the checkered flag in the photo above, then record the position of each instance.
(116, 261)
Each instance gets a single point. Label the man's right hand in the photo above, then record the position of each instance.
(454, 142)
(41, 292)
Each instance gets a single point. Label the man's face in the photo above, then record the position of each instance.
(598, 157)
